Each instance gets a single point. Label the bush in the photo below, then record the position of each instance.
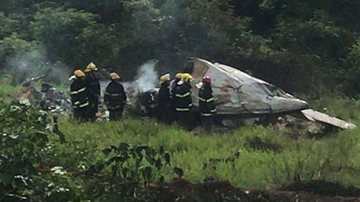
(24, 136)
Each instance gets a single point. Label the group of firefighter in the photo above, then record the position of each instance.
(174, 100)
(85, 94)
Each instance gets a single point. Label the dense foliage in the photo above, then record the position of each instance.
(300, 46)
(24, 136)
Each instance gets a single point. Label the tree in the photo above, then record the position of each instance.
(71, 36)
(7, 25)
(12, 45)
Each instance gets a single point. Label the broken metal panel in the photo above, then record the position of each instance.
(313, 115)
(238, 75)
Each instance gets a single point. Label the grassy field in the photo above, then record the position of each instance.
(268, 159)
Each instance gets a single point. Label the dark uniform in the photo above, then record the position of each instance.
(164, 104)
(93, 88)
(79, 99)
(115, 99)
(173, 85)
(148, 102)
(183, 104)
(206, 105)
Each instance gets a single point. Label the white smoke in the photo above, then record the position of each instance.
(24, 66)
(147, 77)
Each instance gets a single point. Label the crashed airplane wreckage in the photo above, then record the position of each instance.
(48, 97)
(239, 95)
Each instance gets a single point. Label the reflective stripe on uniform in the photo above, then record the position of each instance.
(84, 105)
(206, 114)
(182, 109)
(204, 100)
(209, 100)
(78, 91)
(115, 94)
(81, 90)
(213, 110)
(77, 102)
(190, 105)
(112, 94)
(183, 95)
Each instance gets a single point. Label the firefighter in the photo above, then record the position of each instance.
(115, 97)
(183, 101)
(206, 103)
(93, 88)
(173, 85)
(164, 105)
(147, 101)
(79, 96)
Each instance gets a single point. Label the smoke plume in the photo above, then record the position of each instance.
(147, 77)
(24, 66)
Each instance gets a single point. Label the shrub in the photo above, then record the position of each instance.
(24, 136)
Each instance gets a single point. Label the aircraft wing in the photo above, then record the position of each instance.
(313, 115)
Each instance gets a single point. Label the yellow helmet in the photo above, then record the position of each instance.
(186, 77)
(178, 75)
(91, 67)
(114, 76)
(165, 77)
(78, 73)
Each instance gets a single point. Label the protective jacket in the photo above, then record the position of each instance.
(182, 98)
(79, 94)
(92, 84)
(164, 104)
(206, 101)
(115, 97)
(164, 98)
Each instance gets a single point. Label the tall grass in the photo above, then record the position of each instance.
(334, 158)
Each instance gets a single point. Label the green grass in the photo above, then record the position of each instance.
(334, 158)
